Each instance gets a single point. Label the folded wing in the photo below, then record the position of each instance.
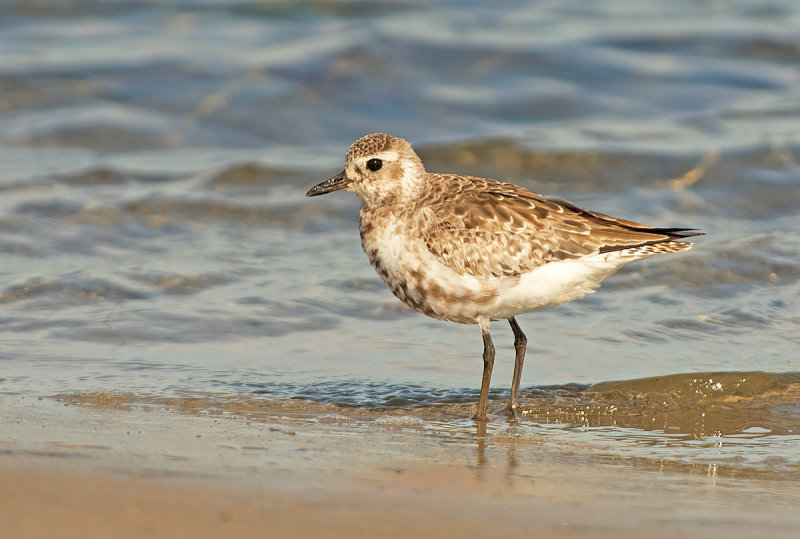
(487, 228)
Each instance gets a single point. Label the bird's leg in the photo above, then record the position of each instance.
(520, 341)
(488, 364)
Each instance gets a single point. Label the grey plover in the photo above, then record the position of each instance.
(473, 250)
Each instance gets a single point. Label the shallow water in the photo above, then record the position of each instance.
(156, 242)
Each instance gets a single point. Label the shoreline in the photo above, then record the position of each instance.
(73, 471)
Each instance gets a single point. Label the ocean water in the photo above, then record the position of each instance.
(156, 245)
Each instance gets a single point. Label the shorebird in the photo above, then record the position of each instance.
(473, 250)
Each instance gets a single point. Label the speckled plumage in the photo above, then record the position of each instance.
(473, 250)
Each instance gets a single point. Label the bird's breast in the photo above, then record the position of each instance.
(397, 250)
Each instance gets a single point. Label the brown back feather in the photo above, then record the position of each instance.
(488, 228)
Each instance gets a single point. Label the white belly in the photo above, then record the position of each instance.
(553, 284)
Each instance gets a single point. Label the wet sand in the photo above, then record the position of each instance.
(68, 504)
(77, 471)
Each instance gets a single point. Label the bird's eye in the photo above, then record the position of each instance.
(374, 164)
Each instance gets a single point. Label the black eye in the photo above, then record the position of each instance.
(374, 164)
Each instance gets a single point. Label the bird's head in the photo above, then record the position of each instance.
(377, 167)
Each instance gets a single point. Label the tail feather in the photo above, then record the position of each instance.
(661, 236)
(660, 245)
(654, 248)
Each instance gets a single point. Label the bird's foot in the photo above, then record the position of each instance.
(511, 411)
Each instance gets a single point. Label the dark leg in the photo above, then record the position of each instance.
(520, 341)
(488, 364)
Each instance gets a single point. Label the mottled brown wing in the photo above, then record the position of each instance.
(487, 228)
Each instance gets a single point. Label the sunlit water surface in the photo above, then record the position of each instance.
(157, 246)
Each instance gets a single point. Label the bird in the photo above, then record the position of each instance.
(473, 250)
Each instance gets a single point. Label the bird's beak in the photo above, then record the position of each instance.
(339, 181)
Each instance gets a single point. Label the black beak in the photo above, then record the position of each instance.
(339, 181)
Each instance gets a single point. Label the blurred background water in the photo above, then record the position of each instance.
(155, 239)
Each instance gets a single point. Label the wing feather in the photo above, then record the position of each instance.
(488, 228)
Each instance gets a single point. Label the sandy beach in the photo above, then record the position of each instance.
(99, 471)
